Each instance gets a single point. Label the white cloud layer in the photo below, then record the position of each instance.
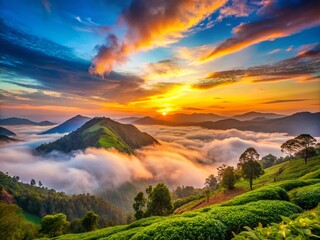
(186, 156)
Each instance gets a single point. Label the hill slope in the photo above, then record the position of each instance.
(23, 121)
(68, 126)
(101, 133)
(219, 221)
(40, 201)
(6, 132)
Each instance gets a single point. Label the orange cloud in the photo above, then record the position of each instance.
(151, 24)
(275, 22)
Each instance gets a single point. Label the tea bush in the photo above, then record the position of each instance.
(265, 193)
(306, 197)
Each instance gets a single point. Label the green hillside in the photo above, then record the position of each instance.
(37, 202)
(297, 189)
(101, 133)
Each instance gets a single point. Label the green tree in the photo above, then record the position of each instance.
(249, 165)
(227, 176)
(139, 204)
(159, 201)
(54, 225)
(76, 226)
(268, 160)
(90, 221)
(13, 225)
(211, 182)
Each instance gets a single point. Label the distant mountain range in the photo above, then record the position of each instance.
(6, 132)
(101, 133)
(304, 122)
(127, 120)
(256, 115)
(68, 126)
(23, 121)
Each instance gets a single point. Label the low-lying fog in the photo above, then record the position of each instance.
(186, 156)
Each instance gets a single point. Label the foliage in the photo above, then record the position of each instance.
(211, 182)
(302, 143)
(13, 225)
(185, 191)
(249, 165)
(182, 201)
(268, 160)
(227, 176)
(306, 226)
(208, 223)
(139, 204)
(54, 225)
(42, 201)
(90, 221)
(76, 226)
(292, 184)
(306, 197)
(265, 193)
(159, 201)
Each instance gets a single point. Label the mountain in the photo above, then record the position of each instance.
(23, 121)
(304, 122)
(152, 121)
(252, 115)
(6, 132)
(6, 139)
(128, 120)
(194, 117)
(101, 133)
(68, 126)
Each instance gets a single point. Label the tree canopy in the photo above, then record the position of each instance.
(249, 166)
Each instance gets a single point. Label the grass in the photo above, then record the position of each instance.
(31, 217)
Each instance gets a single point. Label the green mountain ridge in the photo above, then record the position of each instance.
(101, 133)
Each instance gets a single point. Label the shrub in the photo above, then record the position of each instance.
(182, 201)
(292, 184)
(306, 226)
(306, 197)
(312, 175)
(266, 193)
(264, 211)
(198, 227)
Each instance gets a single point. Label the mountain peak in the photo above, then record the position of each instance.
(101, 132)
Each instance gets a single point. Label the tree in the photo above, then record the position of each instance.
(139, 204)
(90, 221)
(289, 147)
(33, 182)
(211, 182)
(302, 143)
(40, 184)
(227, 176)
(13, 225)
(268, 160)
(159, 201)
(76, 226)
(54, 225)
(249, 166)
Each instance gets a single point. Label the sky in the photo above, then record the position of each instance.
(150, 57)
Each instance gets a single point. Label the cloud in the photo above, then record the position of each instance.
(186, 156)
(303, 67)
(48, 66)
(166, 69)
(238, 8)
(276, 19)
(151, 24)
(285, 101)
(219, 78)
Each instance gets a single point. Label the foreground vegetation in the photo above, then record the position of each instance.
(270, 208)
